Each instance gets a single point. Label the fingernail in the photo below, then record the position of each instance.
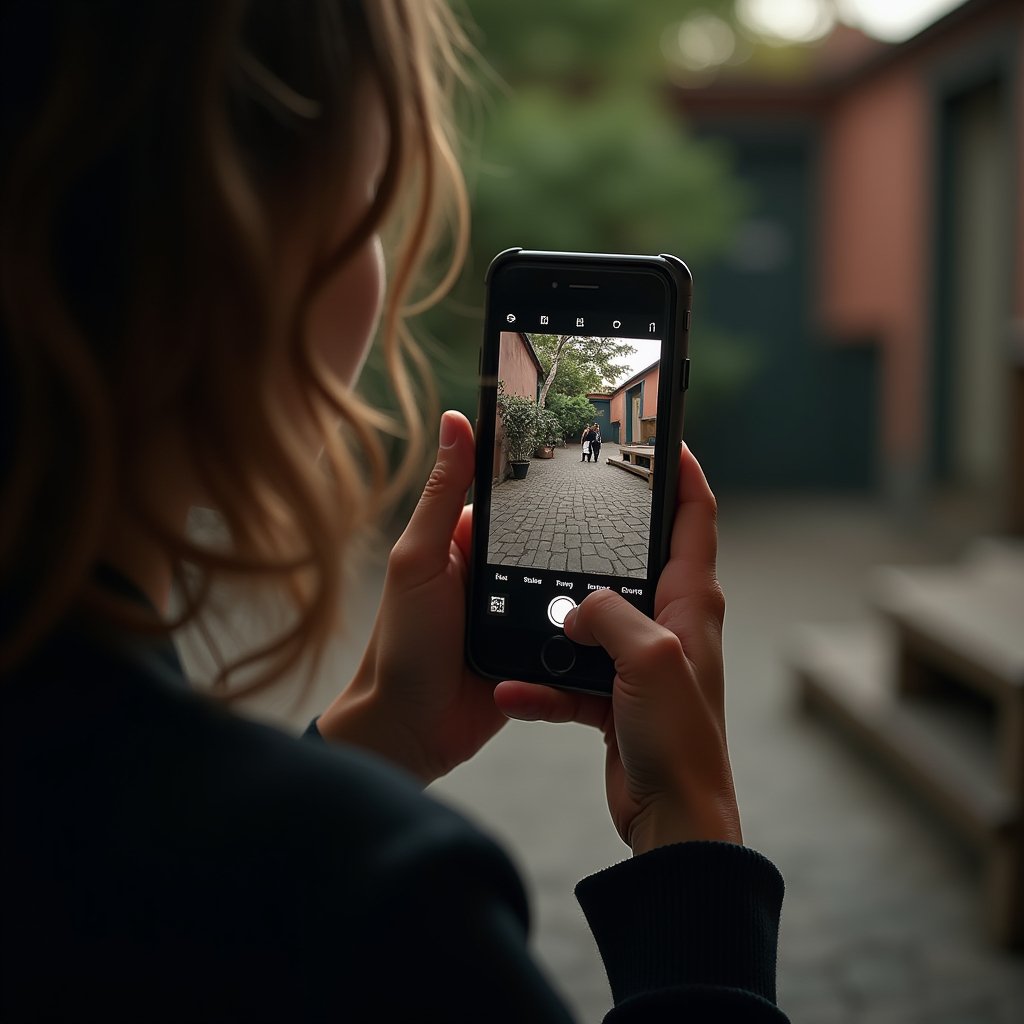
(448, 431)
(528, 713)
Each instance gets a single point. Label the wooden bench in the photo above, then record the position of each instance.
(935, 690)
(637, 459)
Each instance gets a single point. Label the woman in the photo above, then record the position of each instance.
(595, 441)
(586, 440)
(191, 274)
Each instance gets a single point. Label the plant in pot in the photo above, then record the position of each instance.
(519, 420)
(549, 432)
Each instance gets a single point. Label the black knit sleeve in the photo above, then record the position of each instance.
(443, 921)
(688, 932)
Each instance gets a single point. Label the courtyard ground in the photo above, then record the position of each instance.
(573, 515)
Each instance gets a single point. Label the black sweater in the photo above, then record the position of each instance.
(165, 859)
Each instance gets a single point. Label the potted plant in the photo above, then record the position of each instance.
(549, 431)
(519, 420)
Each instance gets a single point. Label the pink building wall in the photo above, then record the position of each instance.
(651, 379)
(1018, 298)
(518, 367)
(616, 412)
(872, 227)
(519, 370)
(617, 408)
(1015, 450)
(876, 229)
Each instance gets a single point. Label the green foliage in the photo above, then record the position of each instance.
(519, 420)
(725, 365)
(574, 412)
(574, 143)
(613, 172)
(549, 428)
(572, 43)
(585, 364)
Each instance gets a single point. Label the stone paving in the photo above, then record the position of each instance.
(573, 515)
(882, 919)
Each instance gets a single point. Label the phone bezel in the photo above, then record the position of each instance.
(515, 274)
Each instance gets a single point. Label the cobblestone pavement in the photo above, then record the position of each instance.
(882, 919)
(573, 515)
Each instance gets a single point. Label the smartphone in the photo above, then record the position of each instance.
(600, 341)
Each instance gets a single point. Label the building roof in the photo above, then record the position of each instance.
(636, 376)
(843, 58)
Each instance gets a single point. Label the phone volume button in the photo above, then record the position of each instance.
(684, 378)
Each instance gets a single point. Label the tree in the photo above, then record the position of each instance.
(574, 412)
(575, 142)
(584, 363)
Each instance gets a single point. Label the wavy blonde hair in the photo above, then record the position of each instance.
(155, 156)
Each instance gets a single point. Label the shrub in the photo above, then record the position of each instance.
(549, 428)
(519, 419)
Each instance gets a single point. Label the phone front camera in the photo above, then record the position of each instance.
(554, 284)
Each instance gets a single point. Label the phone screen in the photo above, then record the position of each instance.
(580, 518)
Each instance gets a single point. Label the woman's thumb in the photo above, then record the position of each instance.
(427, 539)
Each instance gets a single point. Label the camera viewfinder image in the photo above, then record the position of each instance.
(574, 453)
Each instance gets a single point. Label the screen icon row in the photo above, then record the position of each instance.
(545, 320)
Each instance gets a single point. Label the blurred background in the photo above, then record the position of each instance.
(841, 176)
(844, 179)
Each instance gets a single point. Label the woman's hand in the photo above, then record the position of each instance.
(413, 700)
(668, 775)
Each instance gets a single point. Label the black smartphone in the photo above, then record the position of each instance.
(583, 371)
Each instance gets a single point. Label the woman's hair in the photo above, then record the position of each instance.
(156, 156)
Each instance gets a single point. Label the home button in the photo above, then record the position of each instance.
(557, 655)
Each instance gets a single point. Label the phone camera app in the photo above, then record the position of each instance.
(573, 458)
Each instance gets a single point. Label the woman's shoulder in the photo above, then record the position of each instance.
(127, 757)
(90, 728)
(139, 808)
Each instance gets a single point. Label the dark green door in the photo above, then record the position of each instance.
(776, 405)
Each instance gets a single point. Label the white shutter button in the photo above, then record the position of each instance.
(560, 607)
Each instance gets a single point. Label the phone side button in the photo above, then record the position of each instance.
(684, 380)
(557, 655)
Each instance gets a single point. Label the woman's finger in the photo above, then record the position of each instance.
(533, 702)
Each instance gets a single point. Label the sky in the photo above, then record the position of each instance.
(647, 350)
(891, 20)
(894, 19)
